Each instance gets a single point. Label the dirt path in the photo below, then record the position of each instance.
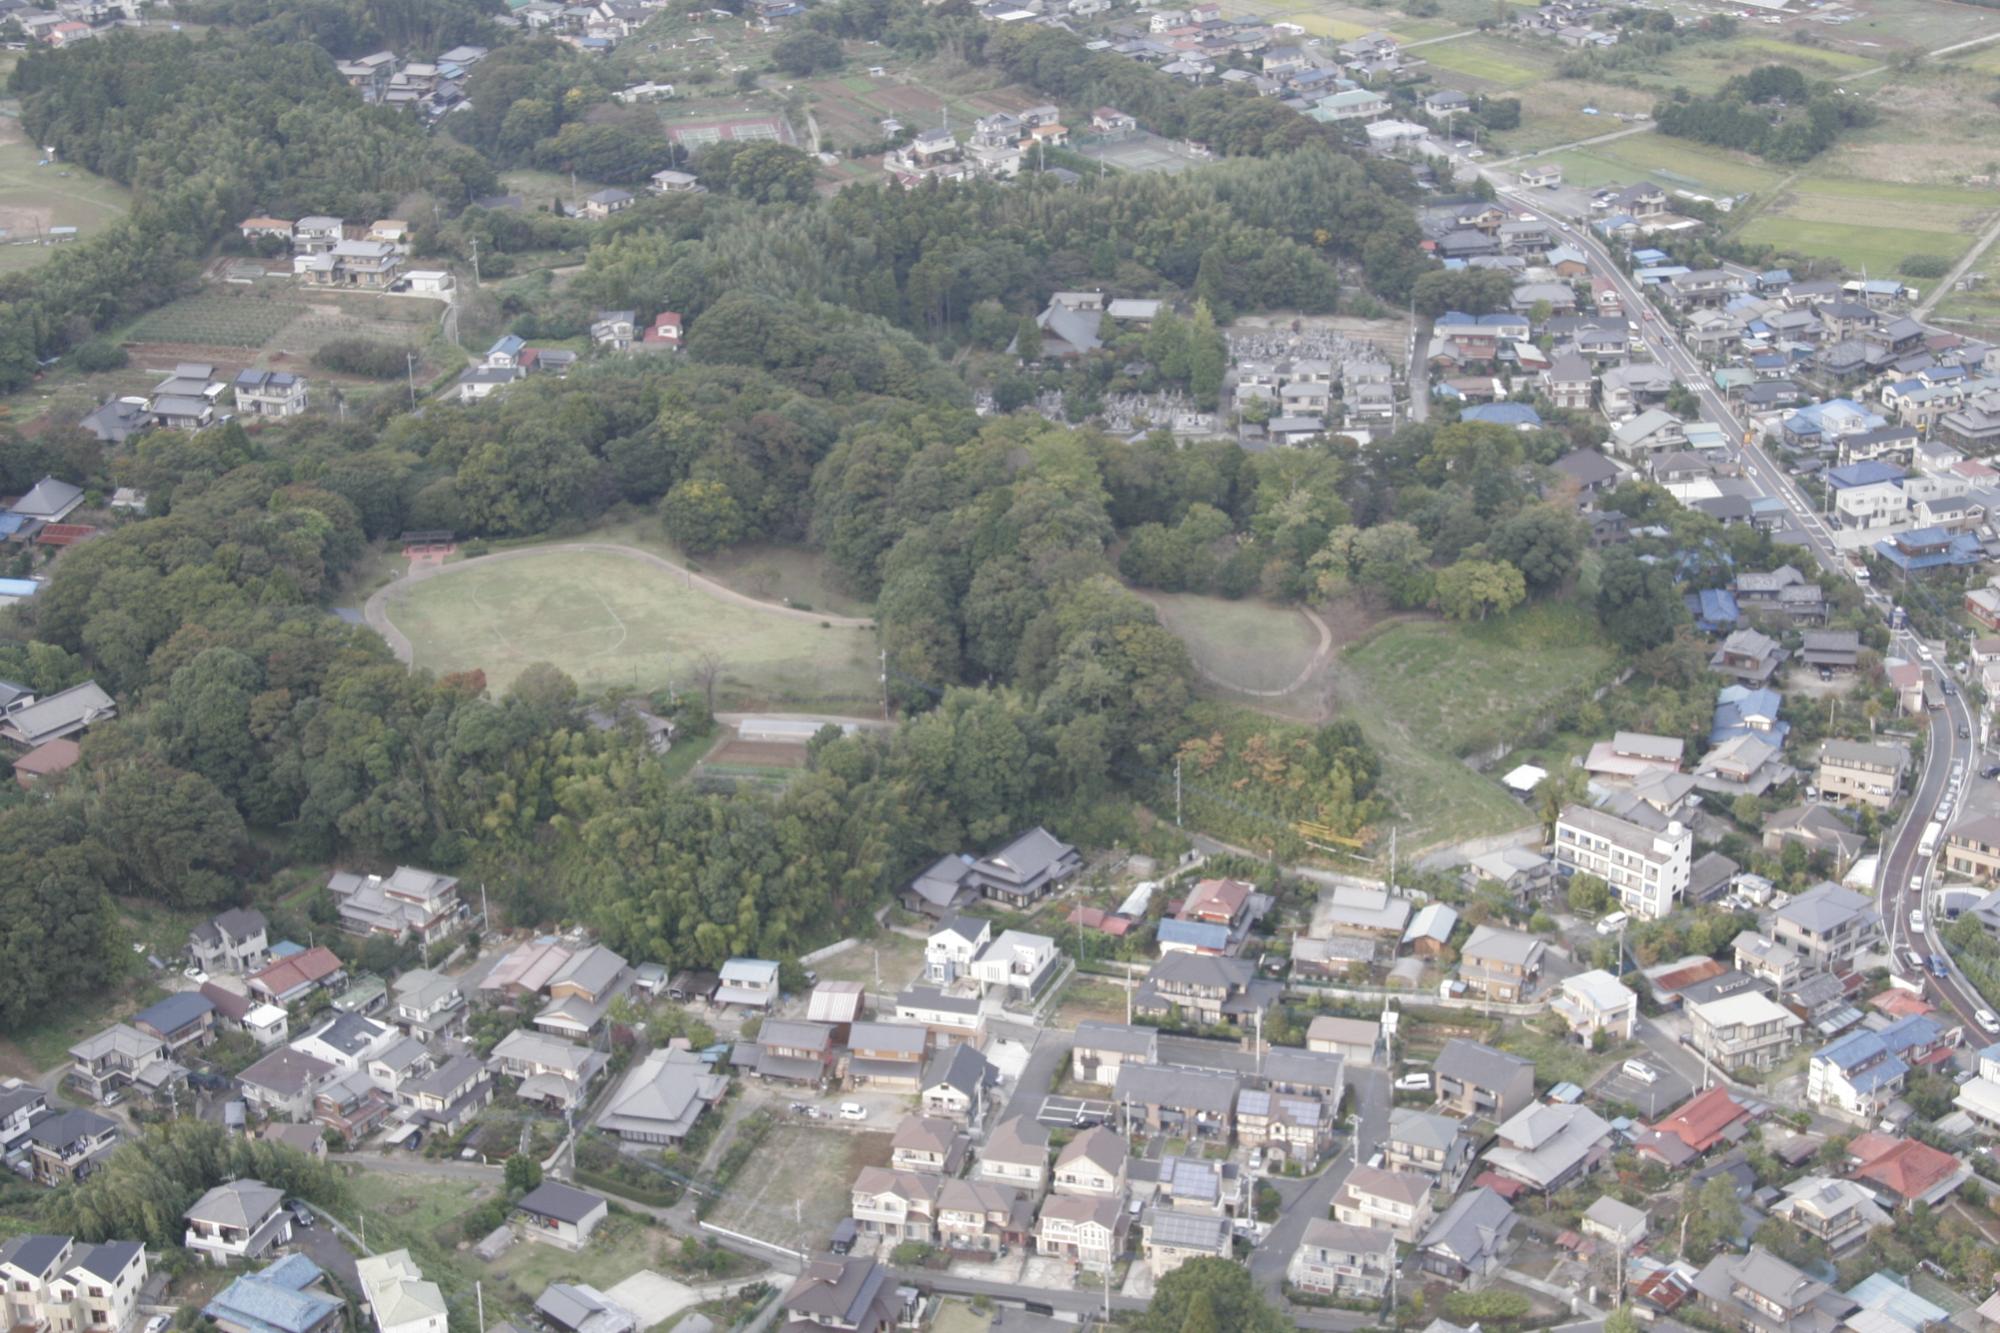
(376, 609)
(1313, 665)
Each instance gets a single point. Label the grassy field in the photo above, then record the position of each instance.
(1487, 63)
(1345, 22)
(1246, 644)
(421, 1214)
(34, 198)
(1871, 225)
(1427, 692)
(620, 1247)
(789, 575)
(901, 961)
(613, 620)
(1554, 114)
(1887, 28)
(1673, 162)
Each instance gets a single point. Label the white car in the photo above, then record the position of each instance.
(1917, 921)
(1642, 1071)
(1414, 1083)
(853, 1111)
(1986, 1020)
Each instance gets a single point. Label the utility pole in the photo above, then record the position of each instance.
(410, 370)
(485, 921)
(1177, 791)
(885, 684)
(475, 262)
(479, 1295)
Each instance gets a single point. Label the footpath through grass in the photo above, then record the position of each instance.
(1428, 692)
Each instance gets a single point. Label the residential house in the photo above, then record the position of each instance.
(1827, 926)
(604, 203)
(104, 1065)
(948, 1018)
(978, 1217)
(950, 949)
(924, 1144)
(1614, 1221)
(347, 1042)
(660, 1099)
(237, 941)
(70, 1145)
(1423, 1141)
(1020, 874)
(1102, 1049)
(60, 1283)
(1398, 1202)
(794, 1052)
(1701, 1122)
(1758, 1292)
(887, 1056)
(955, 1083)
(1339, 1260)
(1646, 869)
(1857, 1075)
(1837, 1213)
(237, 1222)
(400, 1299)
(1747, 1030)
(290, 1296)
(1288, 1127)
(559, 1214)
(447, 1098)
(183, 1019)
(749, 982)
(270, 393)
(1170, 1237)
(551, 1071)
(64, 713)
(1088, 1230)
(1474, 1079)
(581, 992)
(1017, 1154)
(1502, 965)
(1092, 1163)
(428, 1005)
(1748, 656)
(409, 904)
(284, 1083)
(1545, 1147)
(21, 1104)
(1595, 1001)
(1018, 963)
(1355, 1040)
(845, 1294)
(1183, 1101)
(1972, 848)
(1470, 1239)
(1205, 990)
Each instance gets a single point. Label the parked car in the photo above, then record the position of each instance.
(1414, 1083)
(1986, 1020)
(853, 1111)
(1642, 1071)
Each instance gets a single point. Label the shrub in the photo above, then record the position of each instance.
(362, 356)
(99, 354)
(1924, 266)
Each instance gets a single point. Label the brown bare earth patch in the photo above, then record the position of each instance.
(759, 754)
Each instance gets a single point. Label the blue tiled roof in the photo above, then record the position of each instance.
(1867, 472)
(174, 1012)
(1503, 414)
(275, 1300)
(1195, 934)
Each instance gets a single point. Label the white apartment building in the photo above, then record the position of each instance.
(1746, 1030)
(1647, 870)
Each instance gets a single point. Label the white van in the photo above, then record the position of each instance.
(1414, 1083)
(1642, 1071)
(1612, 924)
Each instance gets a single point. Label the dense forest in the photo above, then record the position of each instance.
(1771, 111)
(823, 400)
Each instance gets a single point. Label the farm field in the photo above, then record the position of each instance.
(1886, 28)
(1247, 644)
(216, 320)
(1343, 23)
(33, 199)
(1937, 127)
(1868, 224)
(1553, 114)
(1428, 691)
(798, 1184)
(608, 619)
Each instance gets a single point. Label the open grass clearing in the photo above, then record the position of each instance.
(1878, 250)
(798, 1184)
(610, 619)
(896, 959)
(1427, 692)
(35, 198)
(1885, 29)
(1936, 128)
(1554, 114)
(1089, 998)
(1243, 645)
(795, 576)
(1343, 22)
(1672, 162)
(1497, 62)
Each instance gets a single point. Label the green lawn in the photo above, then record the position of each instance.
(1427, 692)
(789, 575)
(1879, 250)
(421, 1214)
(35, 198)
(1246, 644)
(611, 620)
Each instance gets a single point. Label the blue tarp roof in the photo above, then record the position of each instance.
(1503, 414)
(1195, 934)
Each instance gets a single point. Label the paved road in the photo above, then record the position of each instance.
(1073, 1300)
(1048, 1059)
(1315, 1198)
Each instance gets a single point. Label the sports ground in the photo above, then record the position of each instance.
(611, 617)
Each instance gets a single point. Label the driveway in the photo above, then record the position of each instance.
(1307, 1200)
(329, 1251)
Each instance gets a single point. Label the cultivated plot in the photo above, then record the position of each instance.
(798, 1185)
(610, 619)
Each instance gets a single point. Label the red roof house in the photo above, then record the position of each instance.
(1914, 1172)
(1219, 901)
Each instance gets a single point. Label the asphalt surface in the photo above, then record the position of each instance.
(1313, 1198)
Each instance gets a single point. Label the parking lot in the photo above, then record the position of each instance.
(1653, 1100)
(1069, 1111)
